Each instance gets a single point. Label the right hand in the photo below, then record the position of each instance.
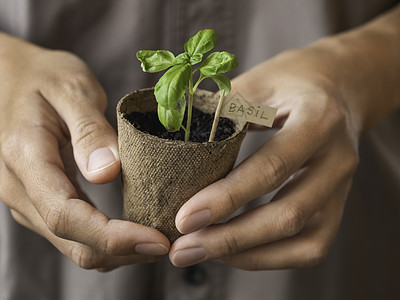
(49, 100)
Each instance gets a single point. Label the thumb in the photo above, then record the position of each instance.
(95, 146)
(81, 106)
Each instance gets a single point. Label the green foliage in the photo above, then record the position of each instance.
(172, 118)
(223, 82)
(172, 85)
(217, 63)
(155, 61)
(201, 43)
(174, 90)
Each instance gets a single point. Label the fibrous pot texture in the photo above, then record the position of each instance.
(160, 175)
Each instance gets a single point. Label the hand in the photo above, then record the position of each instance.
(326, 94)
(315, 151)
(50, 100)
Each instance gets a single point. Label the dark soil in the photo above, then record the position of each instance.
(200, 129)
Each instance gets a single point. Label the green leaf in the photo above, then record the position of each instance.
(172, 85)
(223, 82)
(202, 42)
(172, 118)
(196, 58)
(182, 58)
(155, 60)
(218, 62)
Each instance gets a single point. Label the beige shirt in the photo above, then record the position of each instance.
(364, 262)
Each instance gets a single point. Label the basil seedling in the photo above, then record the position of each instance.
(175, 89)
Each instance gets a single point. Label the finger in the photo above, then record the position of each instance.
(81, 102)
(307, 249)
(89, 258)
(55, 199)
(84, 256)
(20, 218)
(70, 169)
(259, 174)
(292, 208)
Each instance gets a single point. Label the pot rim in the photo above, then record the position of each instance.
(241, 127)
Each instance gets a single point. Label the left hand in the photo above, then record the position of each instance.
(315, 150)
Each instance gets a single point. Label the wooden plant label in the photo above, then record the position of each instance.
(237, 108)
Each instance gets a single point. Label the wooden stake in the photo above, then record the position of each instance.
(216, 117)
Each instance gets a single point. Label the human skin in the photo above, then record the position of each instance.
(50, 100)
(327, 94)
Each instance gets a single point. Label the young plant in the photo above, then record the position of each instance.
(175, 89)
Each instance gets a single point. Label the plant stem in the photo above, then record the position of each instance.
(197, 83)
(183, 128)
(189, 109)
(216, 117)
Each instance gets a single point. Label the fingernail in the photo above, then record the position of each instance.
(189, 256)
(195, 221)
(100, 159)
(151, 249)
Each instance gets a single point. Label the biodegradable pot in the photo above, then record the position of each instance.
(160, 175)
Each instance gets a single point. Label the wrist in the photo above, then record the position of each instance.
(363, 65)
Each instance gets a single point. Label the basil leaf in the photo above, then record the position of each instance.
(182, 58)
(172, 118)
(196, 58)
(172, 85)
(218, 62)
(155, 60)
(202, 42)
(223, 82)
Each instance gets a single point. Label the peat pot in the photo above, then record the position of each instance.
(160, 175)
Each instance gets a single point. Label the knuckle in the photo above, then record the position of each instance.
(106, 241)
(20, 148)
(275, 170)
(326, 102)
(112, 246)
(85, 132)
(315, 256)
(334, 111)
(231, 202)
(9, 191)
(75, 86)
(84, 257)
(347, 164)
(55, 220)
(79, 87)
(351, 163)
(331, 112)
(231, 242)
(9, 147)
(291, 221)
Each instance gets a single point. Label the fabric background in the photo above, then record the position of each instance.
(364, 261)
